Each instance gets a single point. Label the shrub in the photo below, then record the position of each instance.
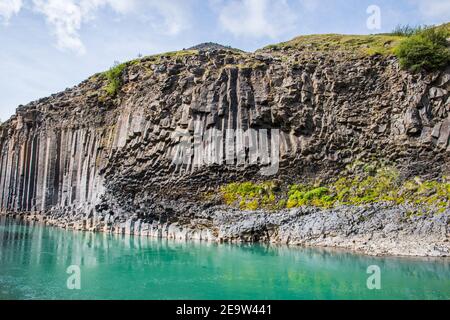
(114, 77)
(424, 50)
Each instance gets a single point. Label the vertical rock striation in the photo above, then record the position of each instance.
(82, 152)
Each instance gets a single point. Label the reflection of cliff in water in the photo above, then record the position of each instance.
(264, 270)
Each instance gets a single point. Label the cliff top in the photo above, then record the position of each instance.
(383, 44)
(363, 44)
(301, 48)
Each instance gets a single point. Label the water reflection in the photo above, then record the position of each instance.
(34, 259)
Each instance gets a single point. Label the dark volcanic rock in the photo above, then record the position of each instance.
(82, 152)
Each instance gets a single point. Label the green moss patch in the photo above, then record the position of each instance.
(248, 195)
(385, 185)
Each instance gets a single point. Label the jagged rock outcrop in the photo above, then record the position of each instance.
(82, 152)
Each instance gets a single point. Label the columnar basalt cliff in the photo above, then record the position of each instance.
(85, 153)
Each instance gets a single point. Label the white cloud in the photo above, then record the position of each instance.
(8, 8)
(434, 9)
(174, 16)
(66, 17)
(256, 18)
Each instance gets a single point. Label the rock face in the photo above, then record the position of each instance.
(82, 152)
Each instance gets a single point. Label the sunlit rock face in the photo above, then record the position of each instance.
(84, 152)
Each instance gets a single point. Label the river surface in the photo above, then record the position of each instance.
(35, 259)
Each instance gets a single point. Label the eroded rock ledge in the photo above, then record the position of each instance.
(378, 229)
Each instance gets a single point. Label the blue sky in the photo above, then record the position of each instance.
(49, 45)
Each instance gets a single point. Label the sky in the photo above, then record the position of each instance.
(47, 46)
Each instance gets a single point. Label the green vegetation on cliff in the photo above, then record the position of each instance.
(418, 48)
(114, 78)
(249, 195)
(363, 44)
(424, 49)
(385, 185)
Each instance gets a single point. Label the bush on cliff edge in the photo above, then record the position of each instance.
(427, 49)
(114, 77)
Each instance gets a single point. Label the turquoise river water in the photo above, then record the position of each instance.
(34, 260)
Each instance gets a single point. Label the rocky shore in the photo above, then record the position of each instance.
(377, 229)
